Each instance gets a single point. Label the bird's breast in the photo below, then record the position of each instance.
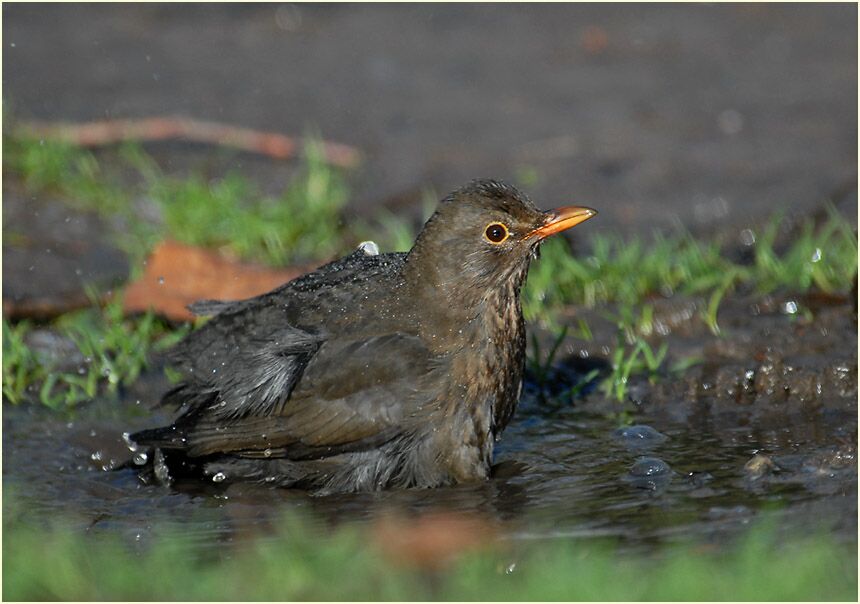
(486, 374)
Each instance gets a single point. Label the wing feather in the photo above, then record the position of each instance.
(353, 395)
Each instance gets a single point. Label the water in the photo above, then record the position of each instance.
(561, 471)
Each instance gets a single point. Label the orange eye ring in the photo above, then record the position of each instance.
(496, 233)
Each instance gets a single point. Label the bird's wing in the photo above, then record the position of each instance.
(250, 354)
(240, 364)
(354, 394)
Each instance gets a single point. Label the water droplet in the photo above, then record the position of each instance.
(369, 248)
(219, 477)
(816, 255)
(161, 280)
(267, 452)
(639, 434)
(790, 307)
(140, 459)
(747, 237)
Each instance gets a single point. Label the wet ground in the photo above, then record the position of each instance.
(703, 115)
(709, 117)
(761, 427)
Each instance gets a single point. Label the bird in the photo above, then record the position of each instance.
(376, 371)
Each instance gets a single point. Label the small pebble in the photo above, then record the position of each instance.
(759, 466)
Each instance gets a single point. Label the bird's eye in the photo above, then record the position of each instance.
(496, 232)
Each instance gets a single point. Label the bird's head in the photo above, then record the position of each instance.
(483, 236)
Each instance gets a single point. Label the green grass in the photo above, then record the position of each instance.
(296, 562)
(638, 359)
(393, 233)
(628, 271)
(304, 223)
(625, 274)
(60, 167)
(114, 350)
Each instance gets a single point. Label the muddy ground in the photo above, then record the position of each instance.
(705, 116)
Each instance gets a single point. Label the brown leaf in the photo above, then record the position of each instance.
(432, 540)
(177, 275)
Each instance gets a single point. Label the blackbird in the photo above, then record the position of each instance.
(376, 370)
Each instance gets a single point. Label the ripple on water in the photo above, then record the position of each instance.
(564, 472)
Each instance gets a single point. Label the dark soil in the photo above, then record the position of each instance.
(703, 115)
(708, 117)
(52, 252)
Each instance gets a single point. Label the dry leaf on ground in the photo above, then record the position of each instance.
(432, 540)
(177, 275)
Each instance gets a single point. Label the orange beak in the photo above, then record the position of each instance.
(561, 219)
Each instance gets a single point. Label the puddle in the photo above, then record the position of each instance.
(695, 463)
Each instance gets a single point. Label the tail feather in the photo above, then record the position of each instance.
(174, 435)
(168, 437)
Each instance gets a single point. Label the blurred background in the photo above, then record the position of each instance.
(655, 115)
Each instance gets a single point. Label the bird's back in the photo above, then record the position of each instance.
(317, 305)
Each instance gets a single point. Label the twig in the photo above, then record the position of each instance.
(106, 132)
